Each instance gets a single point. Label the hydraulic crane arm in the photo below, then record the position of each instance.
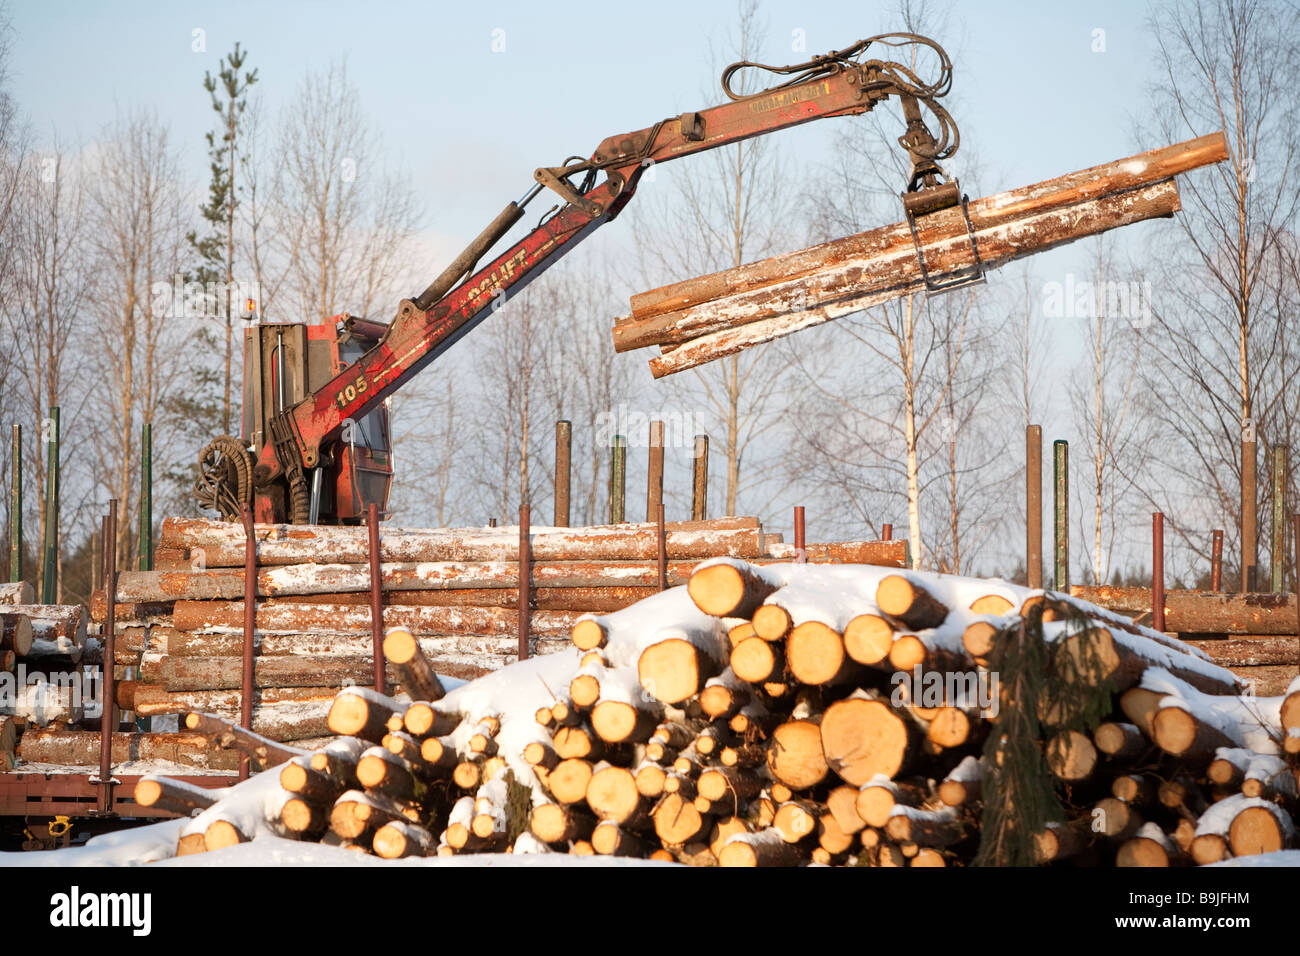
(842, 83)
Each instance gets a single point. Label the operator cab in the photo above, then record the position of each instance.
(286, 362)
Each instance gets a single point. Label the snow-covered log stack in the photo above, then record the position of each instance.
(1254, 635)
(455, 590)
(49, 636)
(791, 714)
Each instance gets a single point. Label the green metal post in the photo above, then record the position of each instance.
(1061, 504)
(617, 479)
(146, 498)
(1277, 560)
(16, 507)
(50, 546)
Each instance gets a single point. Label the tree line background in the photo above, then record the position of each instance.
(910, 414)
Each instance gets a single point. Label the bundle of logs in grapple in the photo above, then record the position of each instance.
(706, 318)
(794, 714)
(457, 590)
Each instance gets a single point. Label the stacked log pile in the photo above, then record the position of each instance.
(707, 318)
(795, 714)
(181, 626)
(1254, 635)
(42, 647)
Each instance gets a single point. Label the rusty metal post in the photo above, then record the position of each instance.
(1158, 571)
(1061, 508)
(654, 483)
(563, 467)
(1034, 505)
(525, 580)
(376, 596)
(617, 479)
(107, 688)
(1216, 561)
(661, 536)
(1248, 503)
(250, 628)
(886, 532)
(800, 555)
(1277, 555)
(700, 479)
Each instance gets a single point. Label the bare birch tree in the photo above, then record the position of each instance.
(1224, 300)
(340, 218)
(1105, 395)
(733, 206)
(135, 204)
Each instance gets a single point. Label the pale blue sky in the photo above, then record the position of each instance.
(470, 125)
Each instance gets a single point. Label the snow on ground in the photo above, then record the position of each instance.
(830, 593)
(1280, 858)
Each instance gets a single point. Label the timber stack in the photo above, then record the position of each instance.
(713, 316)
(1255, 635)
(456, 590)
(793, 714)
(44, 645)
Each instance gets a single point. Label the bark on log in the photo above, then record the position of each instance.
(299, 778)
(18, 592)
(226, 734)
(329, 620)
(1072, 188)
(53, 621)
(764, 848)
(1210, 612)
(80, 748)
(226, 673)
(174, 796)
(1120, 741)
(1181, 733)
(222, 543)
(414, 671)
(227, 584)
(851, 288)
(729, 590)
(908, 602)
(356, 815)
